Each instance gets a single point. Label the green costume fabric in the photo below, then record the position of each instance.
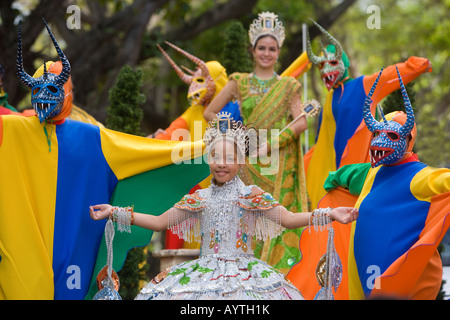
(271, 110)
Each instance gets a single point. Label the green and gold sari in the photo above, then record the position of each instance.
(270, 110)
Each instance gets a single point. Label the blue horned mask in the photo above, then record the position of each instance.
(389, 142)
(47, 91)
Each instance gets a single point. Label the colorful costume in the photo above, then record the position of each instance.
(404, 207)
(52, 170)
(226, 218)
(272, 111)
(265, 104)
(342, 136)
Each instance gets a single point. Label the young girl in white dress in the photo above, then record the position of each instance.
(226, 217)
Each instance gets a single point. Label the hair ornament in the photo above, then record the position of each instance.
(267, 23)
(224, 127)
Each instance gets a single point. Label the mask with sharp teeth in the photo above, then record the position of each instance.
(47, 91)
(389, 142)
(333, 63)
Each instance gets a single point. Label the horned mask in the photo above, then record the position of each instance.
(331, 64)
(47, 91)
(389, 142)
(201, 84)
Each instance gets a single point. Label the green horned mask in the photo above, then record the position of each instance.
(333, 63)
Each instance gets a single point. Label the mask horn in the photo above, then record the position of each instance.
(311, 56)
(332, 39)
(409, 124)
(191, 72)
(370, 121)
(65, 72)
(183, 76)
(200, 63)
(23, 76)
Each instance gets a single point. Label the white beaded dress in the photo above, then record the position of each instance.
(227, 219)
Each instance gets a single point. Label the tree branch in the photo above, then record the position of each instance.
(230, 10)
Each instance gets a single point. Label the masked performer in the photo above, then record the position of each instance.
(76, 112)
(269, 101)
(52, 169)
(404, 213)
(342, 137)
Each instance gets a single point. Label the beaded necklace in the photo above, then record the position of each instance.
(260, 87)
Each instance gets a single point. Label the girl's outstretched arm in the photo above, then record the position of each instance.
(147, 221)
(302, 219)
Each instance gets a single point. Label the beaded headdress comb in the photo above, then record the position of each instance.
(225, 128)
(267, 23)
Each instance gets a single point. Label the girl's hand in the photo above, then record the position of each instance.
(345, 214)
(100, 211)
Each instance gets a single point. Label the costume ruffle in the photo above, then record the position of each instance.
(220, 277)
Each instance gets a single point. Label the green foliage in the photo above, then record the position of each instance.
(394, 101)
(132, 272)
(236, 57)
(125, 112)
(432, 147)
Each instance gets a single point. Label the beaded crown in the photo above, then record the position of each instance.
(225, 128)
(267, 23)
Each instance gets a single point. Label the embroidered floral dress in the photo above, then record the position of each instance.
(226, 219)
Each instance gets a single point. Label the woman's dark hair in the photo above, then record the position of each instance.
(263, 36)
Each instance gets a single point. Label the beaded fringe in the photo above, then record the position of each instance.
(262, 224)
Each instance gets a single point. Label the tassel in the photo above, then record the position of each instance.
(49, 137)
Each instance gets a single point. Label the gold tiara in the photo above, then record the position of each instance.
(267, 23)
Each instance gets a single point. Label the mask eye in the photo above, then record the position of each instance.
(320, 65)
(376, 133)
(333, 62)
(393, 136)
(200, 80)
(52, 89)
(36, 90)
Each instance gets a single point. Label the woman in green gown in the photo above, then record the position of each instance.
(268, 101)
